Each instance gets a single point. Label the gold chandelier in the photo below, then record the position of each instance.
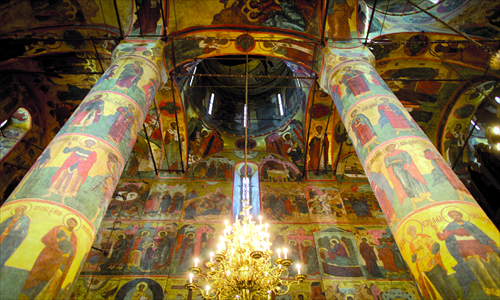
(242, 267)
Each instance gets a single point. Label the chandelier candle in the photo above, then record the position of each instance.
(242, 267)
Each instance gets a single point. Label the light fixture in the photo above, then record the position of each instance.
(497, 99)
(242, 267)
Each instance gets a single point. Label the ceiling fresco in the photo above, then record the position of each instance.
(52, 69)
(186, 165)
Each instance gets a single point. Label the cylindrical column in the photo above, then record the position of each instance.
(48, 223)
(445, 237)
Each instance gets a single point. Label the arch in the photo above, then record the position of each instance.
(13, 130)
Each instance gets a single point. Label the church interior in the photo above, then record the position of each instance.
(242, 100)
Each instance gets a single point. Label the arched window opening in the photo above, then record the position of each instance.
(13, 130)
(246, 187)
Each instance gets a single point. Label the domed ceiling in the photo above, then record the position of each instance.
(273, 94)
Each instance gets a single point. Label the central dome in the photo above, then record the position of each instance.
(219, 97)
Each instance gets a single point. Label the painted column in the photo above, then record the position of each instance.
(444, 236)
(49, 222)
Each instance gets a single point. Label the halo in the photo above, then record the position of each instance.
(127, 103)
(397, 146)
(379, 99)
(149, 233)
(82, 143)
(284, 134)
(306, 240)
(120, 234)
(166, 233)
(343, 69)
(28, 208)
(356, 109)
(447, 209)
(151, 244)
(141, 283)
(414, 223)
(331, 241)
(104, 96)
(187, 235)
(301, 293)
(72, 215)
(290, 242)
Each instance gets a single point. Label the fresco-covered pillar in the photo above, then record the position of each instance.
(446, 239)
(48, 223)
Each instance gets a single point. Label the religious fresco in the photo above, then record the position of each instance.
(341, 22)
(95, 287)
(379, 252)
(215, 43)
(215, 167)
(57, 237)
(434, 241)
(397, 178)
(14, 131)
(319, 160)
(207, 202)
(337, 252)
(284, 202)
(457, 125)
(299, 16)
(370, 289)
(130, 247)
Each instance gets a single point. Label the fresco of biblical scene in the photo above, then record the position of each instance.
(56, 236)
(165, 201)
(325, 204)
(305, 290)
(74, 174)
(376, 120)
(132, 248)
(193, 241)
(213, 168)
(319, 160)
(174, 132)
(147, 18)
(453, 250)
(176, 288)
(404, 289)
(201, 141)
(276, 170)
(283, 202)
(402, 185)
(115, 122)
(340, 19)
(349, 168)
(14, 130)
(379, 252)
(356, 82)
(207, 202)
(364, 289)
(140, 163)
(361, 205)
(337, 252)
(288, 144)
(141, 288)
(129, 201)
(95, 287)
(453, 135)
(301, 248)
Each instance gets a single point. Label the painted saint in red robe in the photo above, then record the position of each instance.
(73, 172)
(355, 80)
(49, 271)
